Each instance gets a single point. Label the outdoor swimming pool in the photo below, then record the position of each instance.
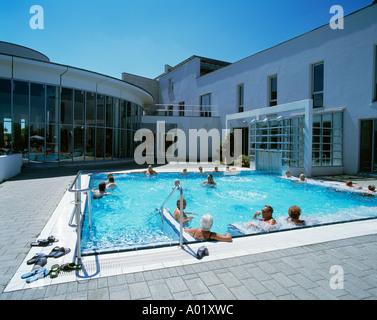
(132, 220)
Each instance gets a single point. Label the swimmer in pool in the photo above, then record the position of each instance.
(294, 216)
(98, 194)
(209, 180)
(177, 212)
(267, 218)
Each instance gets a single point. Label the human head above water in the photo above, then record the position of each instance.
(267, 212)
(179, 203)
(102, 186)
(294, 212)
(206, 222)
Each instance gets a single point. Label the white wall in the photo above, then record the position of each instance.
(10, 166)
(185, 124)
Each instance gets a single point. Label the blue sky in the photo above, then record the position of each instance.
(141, 36)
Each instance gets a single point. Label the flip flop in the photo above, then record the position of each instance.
(44, 242)
(58, 252)
(43, 273)
(202, 251)
(31, 273)
(54, 271)
(71, 266)
(36, 257)
(41, 262)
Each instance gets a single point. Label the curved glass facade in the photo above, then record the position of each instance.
(48, 123)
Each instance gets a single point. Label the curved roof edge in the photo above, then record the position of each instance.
(94, 73)
(21, 51)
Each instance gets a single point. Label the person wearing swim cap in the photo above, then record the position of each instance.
(204, 233)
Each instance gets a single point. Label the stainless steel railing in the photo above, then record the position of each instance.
(177, 187)
(76, 188)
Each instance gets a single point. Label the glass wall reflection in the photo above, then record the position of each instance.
(49, 123)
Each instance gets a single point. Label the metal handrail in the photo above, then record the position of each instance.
(177, 187)
(76, 188)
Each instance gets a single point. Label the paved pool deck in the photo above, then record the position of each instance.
(287, 265)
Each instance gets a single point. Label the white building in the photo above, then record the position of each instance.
(52, 113)
(309, 103)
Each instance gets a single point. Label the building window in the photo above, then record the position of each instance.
(375, 73)
(205, 105)
(318, 73)
(171, 84)
(240, 97)
(181, 107)
(170, 111)
(273, 89)
(327, 145)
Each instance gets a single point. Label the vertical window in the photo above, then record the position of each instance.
(240, 97)
(318, 84)
(79, 107)
(5, 99)
(52, 105)
(171, 84)
(181, 107)
(375, 73)
(273, 88)
(90, 145)
(100, 110)
(66, 115)
(37, 142)
(20, 101)
(5, 116)
(109, 112)
(37, 103)
(205, 105)
(170, 111)
(90, 109)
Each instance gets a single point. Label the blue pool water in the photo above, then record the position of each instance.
(131, 219)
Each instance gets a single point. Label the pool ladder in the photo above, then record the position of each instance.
(177, 187)
(76, 189)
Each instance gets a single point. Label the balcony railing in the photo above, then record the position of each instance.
(181, 110)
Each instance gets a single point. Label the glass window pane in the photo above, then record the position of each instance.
(100, 110)
(66, 116)
(109, 112)
(123, 114)
(90, 143)
(116, 113)
(366, 141)
(52, 105)
(338, 120)
(20, 101)
(52, 143)
(273, 91)
(100, 143)
(79, 107)
(66, 137)
(318, 78)
(37, 142)
(123, 144)
(5, 137)
(20, 139)
(90, 109)
(37, 102)
(109, 144)
(5, 99)
(78, 154)
(116, 141)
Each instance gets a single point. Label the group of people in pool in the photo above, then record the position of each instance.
(264, 222)
(348, 185)
(209, 182)
(103, 186)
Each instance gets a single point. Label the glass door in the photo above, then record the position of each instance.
(368, 146)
